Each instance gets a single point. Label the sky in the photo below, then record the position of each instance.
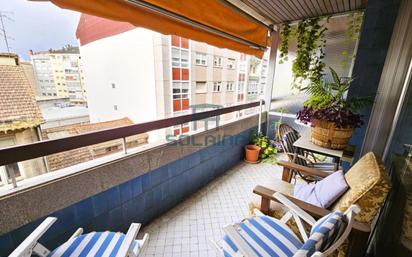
(38, 26)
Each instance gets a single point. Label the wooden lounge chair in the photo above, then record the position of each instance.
(368, 187)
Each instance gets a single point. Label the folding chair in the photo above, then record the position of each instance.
(266, 236)
(92, 244)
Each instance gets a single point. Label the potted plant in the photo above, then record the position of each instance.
(332, 115)
(260, 148)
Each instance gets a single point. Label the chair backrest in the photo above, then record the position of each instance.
(287, 141)
(328, 233)
(349, 219)
(284, 128)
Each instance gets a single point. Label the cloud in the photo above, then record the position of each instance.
(37, 26)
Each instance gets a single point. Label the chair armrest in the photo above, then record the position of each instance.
(289, 166)
(126, 246)
(299, 156)
(314, 211)
(294, 208)
(28, 245)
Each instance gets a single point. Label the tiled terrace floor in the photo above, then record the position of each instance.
(186, 229)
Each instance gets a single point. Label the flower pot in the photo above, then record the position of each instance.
(326, 134)
(252, 153)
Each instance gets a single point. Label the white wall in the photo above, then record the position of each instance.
(126, 59)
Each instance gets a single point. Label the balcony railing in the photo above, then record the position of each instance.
(38, 149)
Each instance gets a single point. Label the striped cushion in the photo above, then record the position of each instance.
(324, 232)
(266, 236)
(93, 244)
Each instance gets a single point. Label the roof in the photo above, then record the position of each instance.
(18, 107)
(76, 129)
(83, 154)
(92, 28)
(69, 49)
(56, 113)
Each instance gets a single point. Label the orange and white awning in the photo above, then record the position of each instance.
(211, 21)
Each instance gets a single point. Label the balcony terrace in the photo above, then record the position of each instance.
(185, 190)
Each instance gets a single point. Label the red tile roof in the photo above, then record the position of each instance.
(76, 129)
(83, 154)
(92, 28)
(18, 107)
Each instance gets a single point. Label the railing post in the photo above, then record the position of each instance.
(12, 176)
(124, 145)
(39, 135)
(260, 116)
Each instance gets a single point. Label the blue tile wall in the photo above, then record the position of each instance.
(141, 199)
(376, 32)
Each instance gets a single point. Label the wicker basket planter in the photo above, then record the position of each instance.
(325, 134)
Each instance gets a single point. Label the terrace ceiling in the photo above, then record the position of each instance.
(281, 11)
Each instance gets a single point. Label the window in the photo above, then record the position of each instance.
(217, 61)
(242, 67)
(113, 85)
(230, 86)
(241, 86)
(115, 107)
(181, 129)
(262, 87)
(180, 90)
(180, 95)
(179, 41)
(252, 88)
(180, 57)
(231, 63)
(201, 87)
(217, 86)
(201, 59)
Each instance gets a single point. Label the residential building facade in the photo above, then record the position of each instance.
(176, 74)
(59, 73)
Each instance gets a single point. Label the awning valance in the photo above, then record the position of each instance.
(210, 21)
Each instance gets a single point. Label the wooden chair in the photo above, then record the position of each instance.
(368, 183)
(288, 136)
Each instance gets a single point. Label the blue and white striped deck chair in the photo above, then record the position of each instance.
(108, 244)
(264, 236)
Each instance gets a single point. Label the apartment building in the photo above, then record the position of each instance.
(59, 73)
(20, 118)
(177, 75)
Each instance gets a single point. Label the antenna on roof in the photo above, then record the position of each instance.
(3, 16)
